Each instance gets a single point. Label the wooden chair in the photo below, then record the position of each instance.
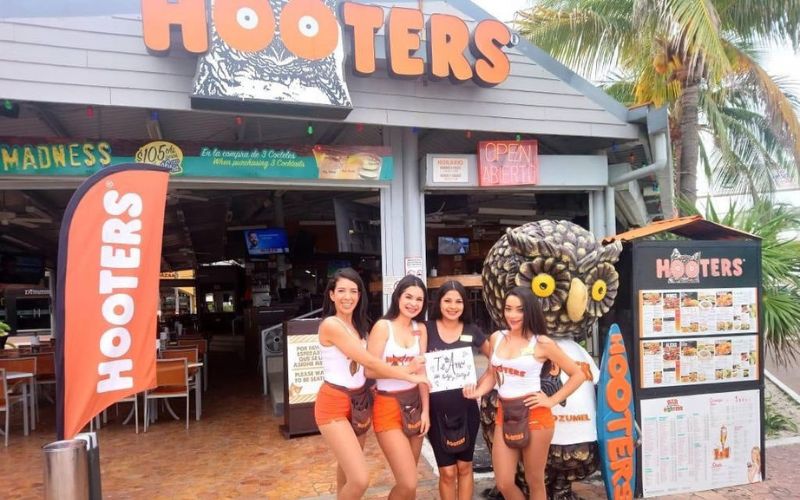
(172, 379)
(202, 351)
(195, 382)
(26, 365)
(7, 401)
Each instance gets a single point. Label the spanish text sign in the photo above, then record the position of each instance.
(450, 369)
(508, 163)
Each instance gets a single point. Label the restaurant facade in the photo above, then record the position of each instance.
(398, 137)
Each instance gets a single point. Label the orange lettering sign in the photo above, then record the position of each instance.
(310, 30)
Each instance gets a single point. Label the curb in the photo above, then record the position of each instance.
(785, 388)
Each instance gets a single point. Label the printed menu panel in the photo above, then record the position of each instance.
(701, 442)
(699, 360)
(706, 311)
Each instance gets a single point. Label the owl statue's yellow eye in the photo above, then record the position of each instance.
(599, 290)
(543, 285)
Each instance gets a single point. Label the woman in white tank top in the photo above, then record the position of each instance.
(399, 338)
(518, 356)
(344, 359)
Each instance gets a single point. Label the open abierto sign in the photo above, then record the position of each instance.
(450, 369)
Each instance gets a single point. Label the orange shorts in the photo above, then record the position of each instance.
(386, 413)
(539, 419)
(331, 405)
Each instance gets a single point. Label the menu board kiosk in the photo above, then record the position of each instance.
(302, 376)
(690, 311)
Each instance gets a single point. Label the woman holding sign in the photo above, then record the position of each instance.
(342, 410)
(401, 408)
(525, 424)
(454, 419)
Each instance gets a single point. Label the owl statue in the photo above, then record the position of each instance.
(275, 73)
(573, 276)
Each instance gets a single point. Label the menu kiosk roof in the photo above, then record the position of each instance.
(690, 312)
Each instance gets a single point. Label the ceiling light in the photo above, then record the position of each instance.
(506, 211)
(19, 242)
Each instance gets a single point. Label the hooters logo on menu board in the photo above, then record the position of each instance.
(109, 259)
(291, 52)
(680, 268)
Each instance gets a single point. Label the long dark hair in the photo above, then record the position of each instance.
(533, 322)
(407, 282)
(436, 305)
(360, 320)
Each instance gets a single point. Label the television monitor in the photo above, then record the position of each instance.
(358, 227)
(21, 269)
(266, 241)
(451, 245)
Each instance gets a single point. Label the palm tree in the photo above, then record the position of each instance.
(698, 57)
(778, 226)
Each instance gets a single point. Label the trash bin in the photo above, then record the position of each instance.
(66, 470)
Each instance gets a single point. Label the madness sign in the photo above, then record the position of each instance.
(508, 163)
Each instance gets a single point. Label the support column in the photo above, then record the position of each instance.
(598, 213)
(413, 199)
(392, 215)
(611, 218)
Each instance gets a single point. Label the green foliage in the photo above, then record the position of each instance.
(649, 51)
(4, 328)
(777, 225)
(774, 421)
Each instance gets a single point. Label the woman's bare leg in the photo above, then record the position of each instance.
(349, 453)
(402, 454)
(448, 476)
(466, 481)
(504, 462)
(534, 457)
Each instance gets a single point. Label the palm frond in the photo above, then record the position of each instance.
(698, 37)
(775, 21)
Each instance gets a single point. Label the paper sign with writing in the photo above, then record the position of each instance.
(450, 369)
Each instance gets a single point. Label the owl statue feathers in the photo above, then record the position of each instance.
(573, 276)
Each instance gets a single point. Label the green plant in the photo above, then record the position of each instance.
(699, 57)
(774, 421)
(4, 329)
(776, 225)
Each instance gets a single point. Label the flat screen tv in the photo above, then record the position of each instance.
(266, 241)
(452, 245)
(21, 269)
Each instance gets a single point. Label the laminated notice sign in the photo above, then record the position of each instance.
(450, 368)
(305, 368)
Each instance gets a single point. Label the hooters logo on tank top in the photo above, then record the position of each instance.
(107, 291)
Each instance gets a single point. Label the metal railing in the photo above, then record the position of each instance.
(264, 333)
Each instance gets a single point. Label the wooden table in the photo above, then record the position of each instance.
(30, 381)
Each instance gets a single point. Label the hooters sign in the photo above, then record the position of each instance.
(109, 259)
(290, 53)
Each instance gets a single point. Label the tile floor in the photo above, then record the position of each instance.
(236, 451)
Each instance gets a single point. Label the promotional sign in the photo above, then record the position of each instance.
(290, 54)
(699, 360)
(574, 423)
(450, 368)
(449, 169)
(305, 374)
(344, 163)
(508, 163)
(700, 311)
(109, 259)
(700, 442)
(615, 419)
(415, 266)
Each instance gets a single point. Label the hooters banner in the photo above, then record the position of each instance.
(109, 258)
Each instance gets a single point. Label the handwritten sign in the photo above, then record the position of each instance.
(450, 369)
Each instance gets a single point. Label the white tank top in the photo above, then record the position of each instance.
(339, 369)
(398, 355)
(518, 376)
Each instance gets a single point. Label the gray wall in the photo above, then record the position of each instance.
(102, 61)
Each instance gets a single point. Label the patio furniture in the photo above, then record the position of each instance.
(172, 379)
(202, 352)
(7, 401)
(23, 365)
(195, 378)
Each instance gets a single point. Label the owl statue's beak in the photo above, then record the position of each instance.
(576, 300)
